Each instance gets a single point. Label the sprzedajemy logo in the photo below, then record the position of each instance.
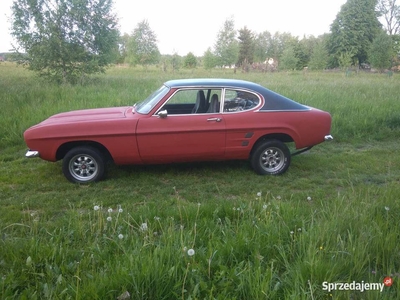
(357, 286)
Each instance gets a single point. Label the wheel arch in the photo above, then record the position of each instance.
(64, 148)
(283, 137)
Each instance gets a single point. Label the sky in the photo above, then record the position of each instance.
(185, 26)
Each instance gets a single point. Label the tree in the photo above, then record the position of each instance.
(175, 61)
(353, 30)
(319, 56)
(288, 59)
(246, 47)
(65, 40)
(278, 43)
(303, 50)
(226, 48)
(142, 46)
(190, 61)
(381, 52)
(123, 47)
(390, 12)
(261, 45)
(346, 60)
(209, 59)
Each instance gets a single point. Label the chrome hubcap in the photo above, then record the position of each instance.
(272, 159)
(83, 167)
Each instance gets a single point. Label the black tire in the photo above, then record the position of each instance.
(83, 165)
(270, 158)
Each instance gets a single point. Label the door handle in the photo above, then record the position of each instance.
(214, 119)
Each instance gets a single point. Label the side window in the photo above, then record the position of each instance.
(186, 101)
(184, 97)
(236, 100)
(193, 101)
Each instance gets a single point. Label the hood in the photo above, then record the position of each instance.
(87, 115)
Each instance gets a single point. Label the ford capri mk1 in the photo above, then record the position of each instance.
(184, 120)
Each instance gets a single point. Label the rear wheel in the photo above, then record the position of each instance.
(83, 165)
(270, 158)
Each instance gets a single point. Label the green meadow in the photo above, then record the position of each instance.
(204, 230)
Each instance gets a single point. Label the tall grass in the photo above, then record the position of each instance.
(331, 218)
(363, 106)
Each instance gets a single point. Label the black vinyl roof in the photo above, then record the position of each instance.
(273, 101)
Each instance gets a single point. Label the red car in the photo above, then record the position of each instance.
(184, 120)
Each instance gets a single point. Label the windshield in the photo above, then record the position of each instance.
(147, 105)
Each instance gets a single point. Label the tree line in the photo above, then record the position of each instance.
(66, 40)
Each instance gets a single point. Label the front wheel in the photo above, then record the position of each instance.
(270, 158)
(83, 165)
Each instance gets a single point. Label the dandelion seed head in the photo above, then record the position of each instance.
(259, 194)
(292, 232)
(309, 198)
(109, 219)
(110, 210)
(157, 218)
(96, 207)
(120, 236)
(184, 249)
(190, 252)
(278, 197)
(265, 206)
(387, 208)
(143, 227)
(120, 210)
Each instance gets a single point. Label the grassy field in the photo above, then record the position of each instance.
(205, 230)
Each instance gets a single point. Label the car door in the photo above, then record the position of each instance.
(194, 130)
(240, 122)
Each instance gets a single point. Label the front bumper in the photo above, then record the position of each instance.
(31, 154)
(328, 138)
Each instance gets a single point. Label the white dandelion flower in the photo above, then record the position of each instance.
(143, 227)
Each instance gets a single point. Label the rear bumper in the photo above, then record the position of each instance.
(328, 138)
(31, 154)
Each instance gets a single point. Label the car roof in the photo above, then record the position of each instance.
(273, 101)
(214, 82)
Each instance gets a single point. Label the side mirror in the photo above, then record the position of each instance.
(163, 114)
